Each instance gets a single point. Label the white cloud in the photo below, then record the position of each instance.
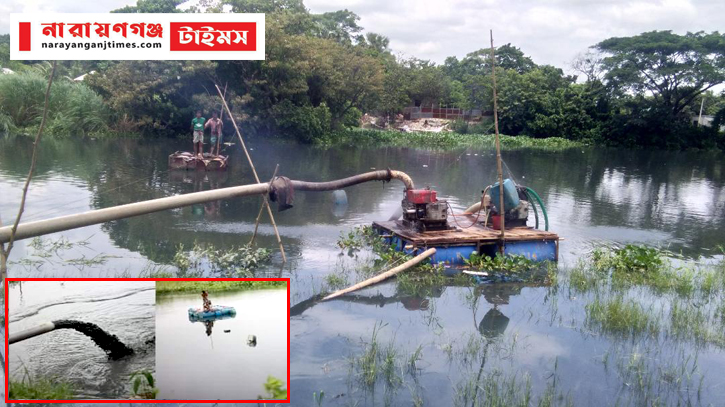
(552, 32)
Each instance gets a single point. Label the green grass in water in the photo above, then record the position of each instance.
(621, 317)
(39, 389)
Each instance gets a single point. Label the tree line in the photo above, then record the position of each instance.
(321, 73)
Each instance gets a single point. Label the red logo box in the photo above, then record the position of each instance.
(236, 36)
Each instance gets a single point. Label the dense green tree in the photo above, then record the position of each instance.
(428, 82)
(673, 68)
(340, 26)
(153, 96)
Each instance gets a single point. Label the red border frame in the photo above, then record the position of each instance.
(7, 400)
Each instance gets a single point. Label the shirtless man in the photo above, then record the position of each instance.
(207, 303)
(215, 123)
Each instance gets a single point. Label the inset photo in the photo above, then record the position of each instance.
(71, 340)
(222, 339)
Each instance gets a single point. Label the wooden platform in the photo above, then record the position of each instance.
(182, 160)
(475, 234)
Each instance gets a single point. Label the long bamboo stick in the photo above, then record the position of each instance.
(254, 171)
(382, 276)
(261, 208)
(221, 118)
(501, 209)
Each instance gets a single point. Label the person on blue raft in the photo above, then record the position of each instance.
(210, 312)
(207, 303)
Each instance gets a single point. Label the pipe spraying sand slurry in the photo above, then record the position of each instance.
(108, 342)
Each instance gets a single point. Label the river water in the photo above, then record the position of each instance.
(202, 361)
(121, 308)
(594, 196)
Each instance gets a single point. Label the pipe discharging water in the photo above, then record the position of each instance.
(108, 342)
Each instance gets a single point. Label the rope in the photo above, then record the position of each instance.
(474, 221)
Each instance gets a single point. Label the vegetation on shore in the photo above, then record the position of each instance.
(442, 140)
(322, 73)
(173, 287)
(75, 109)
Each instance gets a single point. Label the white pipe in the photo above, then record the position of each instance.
(31, 332)
(59, 224)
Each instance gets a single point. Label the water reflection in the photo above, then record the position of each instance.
(209, 323)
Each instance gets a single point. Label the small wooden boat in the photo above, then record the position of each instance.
(184, 160)
(218, 311)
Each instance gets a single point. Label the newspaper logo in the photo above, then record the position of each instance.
(153, 36)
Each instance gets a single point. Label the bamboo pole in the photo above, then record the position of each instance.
(221, 117)
(382, 276)
(501, 210)
(261, 208)
(254, 171)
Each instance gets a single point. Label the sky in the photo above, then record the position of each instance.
(550, 31)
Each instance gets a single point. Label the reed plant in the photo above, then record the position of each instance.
(74, 109)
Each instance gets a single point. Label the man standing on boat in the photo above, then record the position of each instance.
(207, 303)
(197, 127)
(215, 123)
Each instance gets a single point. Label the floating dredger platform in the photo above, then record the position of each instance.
(425, 224)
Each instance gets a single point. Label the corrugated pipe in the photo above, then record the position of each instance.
(59, 224)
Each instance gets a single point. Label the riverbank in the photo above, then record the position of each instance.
(174, 287)
(442, 140)
(384, 138)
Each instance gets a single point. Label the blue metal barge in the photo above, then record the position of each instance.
(454, 246)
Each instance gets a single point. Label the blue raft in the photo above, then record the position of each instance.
(218, 311)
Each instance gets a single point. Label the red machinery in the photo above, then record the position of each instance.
(423, 211)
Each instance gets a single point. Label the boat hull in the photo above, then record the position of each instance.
(454, 247)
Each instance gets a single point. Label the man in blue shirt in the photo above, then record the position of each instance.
(197, 127)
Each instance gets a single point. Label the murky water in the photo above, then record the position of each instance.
(202, 361)
(121, 308)
(593, 196)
